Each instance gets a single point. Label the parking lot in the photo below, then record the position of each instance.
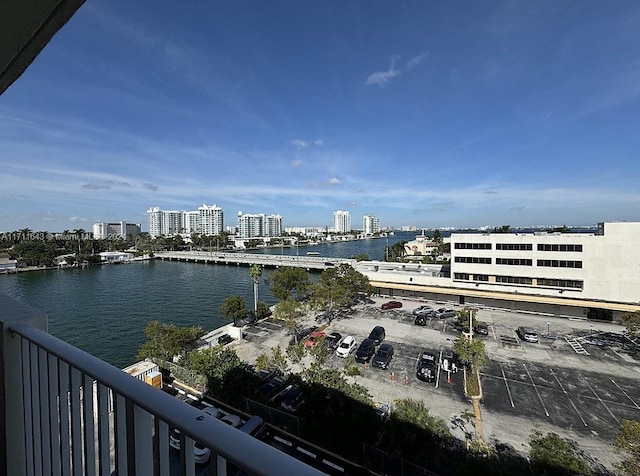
(580, 380)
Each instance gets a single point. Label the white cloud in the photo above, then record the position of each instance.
(416, 60)
(318, 142)
(381, 78)
(334, 181)
(296, 163)
(300, 144)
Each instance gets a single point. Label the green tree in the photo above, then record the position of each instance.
(437, 236)
(627, 443)
(339, 286)
(502, 229)
(164, 341)
(214, 363)
(255, 272)
(361, 257)
(395, 252)
(276, 359)
(233, 309)
(552, 455)
(416, 413)
(462, 318)
(632, 322)
(290, 312)
(471, 352)
(288, 282)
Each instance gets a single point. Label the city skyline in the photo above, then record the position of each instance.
(436, 116)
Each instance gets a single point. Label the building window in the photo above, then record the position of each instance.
(556, 263)
(514, 246)
(472, 259)
(481, 277)
(548, 247)
(514, 261)
(561, 283)
(513, 280)
(461, 276)
(472, 246)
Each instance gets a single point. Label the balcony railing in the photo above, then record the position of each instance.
(66, 412)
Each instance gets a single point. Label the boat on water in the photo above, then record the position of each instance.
(313, 253)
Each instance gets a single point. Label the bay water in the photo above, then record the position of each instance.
(103, 310)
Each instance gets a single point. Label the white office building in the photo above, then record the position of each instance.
(341, 221)
(115, 230)
(370, 225)
(586, 275)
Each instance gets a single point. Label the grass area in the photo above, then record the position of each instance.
(473, 385)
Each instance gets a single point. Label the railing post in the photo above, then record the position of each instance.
(12, 414)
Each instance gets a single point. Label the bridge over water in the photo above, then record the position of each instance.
(248, 259)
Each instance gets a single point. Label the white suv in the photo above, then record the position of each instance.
(347, 346)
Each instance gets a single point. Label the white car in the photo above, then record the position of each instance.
(232, 420)
(347, 346)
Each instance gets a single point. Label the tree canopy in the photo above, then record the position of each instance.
(233, 309)
(471, 352)
(339, 286)
(632, 321)
(552, 455)
(167, 340)
(289, 282)
(627, 442)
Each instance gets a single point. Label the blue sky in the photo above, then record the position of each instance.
(423, 113)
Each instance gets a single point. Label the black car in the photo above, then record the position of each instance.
(420, 320)
(332, 340)
(291, 398)
(272, 387)
(426, 369)
(365, 351)
(377, 334)
(481, 329)
(383, 356)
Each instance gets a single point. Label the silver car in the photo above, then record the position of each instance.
(527, 334)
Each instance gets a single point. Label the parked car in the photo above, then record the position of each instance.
(427, 367)
(527, 334)
(292, 398)
(333, 340)
(420, 320)
(365, 351)
(313, 339)
(377, 334)
(423, 311)
(271, 387)
(200, 452)
(450, 360)
(253, 426)
(232, 420)
(383, 356)
(347, 346)
(481, 329)
(443, 313)
(391, 305)
(225, 339)
(211, 410)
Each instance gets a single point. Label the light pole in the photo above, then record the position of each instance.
(591, 331)
(548, 323)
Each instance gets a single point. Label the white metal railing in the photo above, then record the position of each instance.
(66, 412)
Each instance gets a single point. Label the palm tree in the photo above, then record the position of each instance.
(255, 272)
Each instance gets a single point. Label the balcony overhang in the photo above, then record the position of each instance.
(26, 26)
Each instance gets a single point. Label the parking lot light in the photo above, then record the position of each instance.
(548, 323)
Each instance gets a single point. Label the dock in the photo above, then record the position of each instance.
(319, 263)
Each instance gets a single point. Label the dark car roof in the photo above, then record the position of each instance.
(367, 343)
(377, 330)
(385, 348)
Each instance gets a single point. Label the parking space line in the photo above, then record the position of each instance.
(625, 393)
(536, 388)
(438, 372)
(567, 395)
(493, 329)
(504, 377)
(598, 397)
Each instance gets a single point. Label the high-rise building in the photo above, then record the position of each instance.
(254, 225)
(341, 221)
(120, 229)
(210, 220)
(370, 225)
(207, 220)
